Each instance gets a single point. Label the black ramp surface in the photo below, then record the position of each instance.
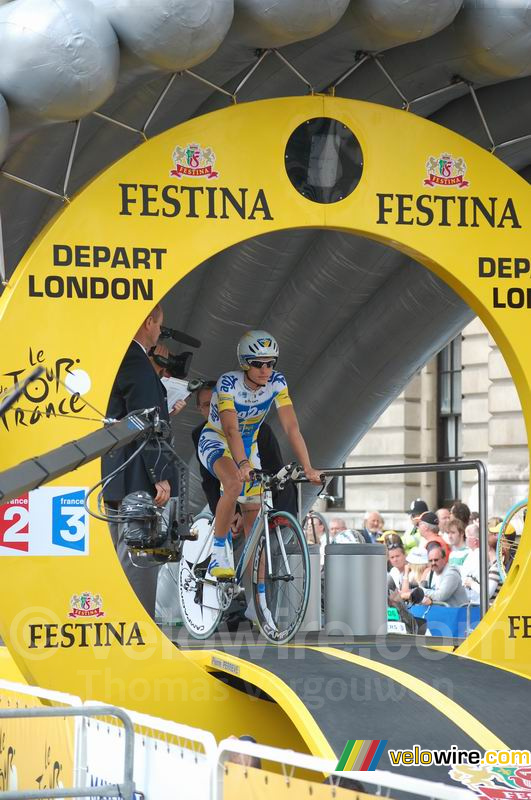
(497, 698)
(348, 701)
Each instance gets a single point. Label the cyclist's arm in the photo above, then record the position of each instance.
(290, 426)
(229, 423)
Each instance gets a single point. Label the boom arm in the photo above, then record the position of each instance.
(39, 470)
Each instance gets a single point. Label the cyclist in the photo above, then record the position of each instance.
(228, 443)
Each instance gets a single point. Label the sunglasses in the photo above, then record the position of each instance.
(259, 364)
(395, 546)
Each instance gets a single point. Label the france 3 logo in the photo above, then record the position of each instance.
(50, 521)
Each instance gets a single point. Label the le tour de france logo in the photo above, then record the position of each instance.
(445, 170)
(193, 161)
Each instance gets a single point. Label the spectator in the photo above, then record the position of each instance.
(415, 571)
(340, 534)
(372, 526)
(456, 535)
(209, 482)
(344, 782)
(314, 528)
(444, 581)
(411, 537)
(429, 531)
(471, 583)
(242, 758)
(397, 559)
(470, 566)
(495, 580)
(460, 511)
(390, 537)
(443, 515)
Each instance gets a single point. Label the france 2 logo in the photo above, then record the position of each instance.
(49, 521)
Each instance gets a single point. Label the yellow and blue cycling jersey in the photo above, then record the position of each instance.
(231, 393)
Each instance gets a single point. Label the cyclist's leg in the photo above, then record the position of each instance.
(214, 454)
(227, 473)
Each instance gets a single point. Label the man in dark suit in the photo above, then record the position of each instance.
(137, 386)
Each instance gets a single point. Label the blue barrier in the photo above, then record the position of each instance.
(448, 621)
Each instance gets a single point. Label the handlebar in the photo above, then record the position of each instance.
(290, 472)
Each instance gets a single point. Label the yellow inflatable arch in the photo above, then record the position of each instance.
(132, 234)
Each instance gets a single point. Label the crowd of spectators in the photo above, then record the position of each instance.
(438, 552)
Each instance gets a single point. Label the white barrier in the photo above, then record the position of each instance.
(171, 760)
(376, 782)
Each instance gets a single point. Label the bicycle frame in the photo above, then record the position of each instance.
(266, 505)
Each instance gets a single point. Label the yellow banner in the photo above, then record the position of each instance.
(259, 784)
(34, 753)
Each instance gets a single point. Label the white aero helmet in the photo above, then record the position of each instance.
(256, 344)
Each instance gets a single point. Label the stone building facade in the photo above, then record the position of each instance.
(486, 423)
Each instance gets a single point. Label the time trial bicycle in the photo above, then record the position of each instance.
(277, 553)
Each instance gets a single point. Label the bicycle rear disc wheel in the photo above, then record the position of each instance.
(198, 595)
(509, 537)
(281, 606)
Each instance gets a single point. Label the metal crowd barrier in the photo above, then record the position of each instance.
(125, 790)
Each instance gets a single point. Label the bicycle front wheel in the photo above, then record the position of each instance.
(281, 578)
(198, 594)
(509, 537)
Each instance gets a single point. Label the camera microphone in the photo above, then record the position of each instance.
(178, 336)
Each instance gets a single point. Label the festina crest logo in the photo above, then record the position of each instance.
(445, 170)
(193, 161)
(495, 783)
(86, 605)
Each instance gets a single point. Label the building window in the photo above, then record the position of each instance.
(449, 419)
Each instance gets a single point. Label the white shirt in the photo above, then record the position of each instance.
(397, 576)
(470, 569)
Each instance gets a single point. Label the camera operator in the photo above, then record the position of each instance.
(137, 386)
